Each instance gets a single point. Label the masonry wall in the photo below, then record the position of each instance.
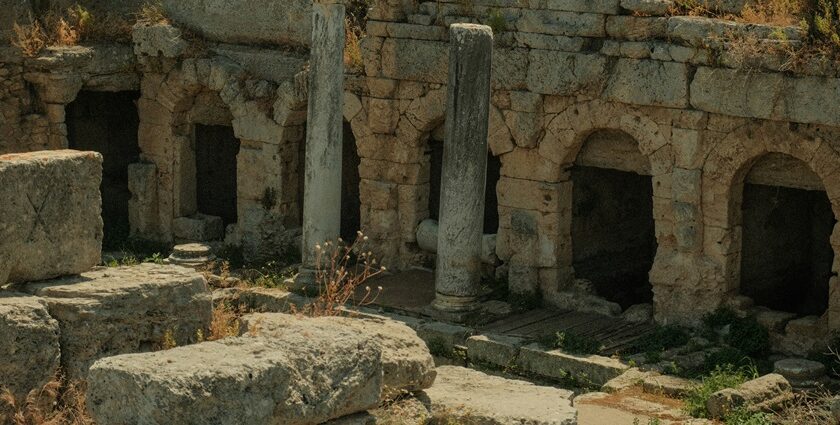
(672, 87)
(564, 70)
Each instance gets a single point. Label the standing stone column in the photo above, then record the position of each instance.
(322, 180)
(458, 276)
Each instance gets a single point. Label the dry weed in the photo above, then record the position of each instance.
(340, 269)
(224, 323)
(30, 38)
(152, 13)
(58, 402)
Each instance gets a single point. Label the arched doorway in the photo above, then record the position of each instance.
(786, 220)
(613, 229)
(107, 122)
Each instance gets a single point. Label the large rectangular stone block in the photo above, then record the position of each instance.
(291, 378)
(29, 354)
(648, 82)
(121, 310)
(246, 21)
(50, 214)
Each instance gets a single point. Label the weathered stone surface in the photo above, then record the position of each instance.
(158, 39)
(763, 393)
(263, 22)
(322, 171)
(671, 386)
(463, 177)
(499, 350)
(198, 228)
(50, 222)
(590, 369)
(468, 396)
(647, 82)
(29, 354)
(630, 378)
(561, 73)
(113, 311)
(406, 361)
(649, 7)
(800, 372)
(290, 379)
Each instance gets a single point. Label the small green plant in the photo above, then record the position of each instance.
(575, 344)
(742, 416)
(726, 376)
(525, 301)
(663, 338)
(822, 22)
(154, 258)
(651, 421)
(497, 21)
(750, 337)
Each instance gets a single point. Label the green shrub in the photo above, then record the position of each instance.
(726, 376)
(575, 344)
(822, 22)
(663, 338)
(750, 337)
(742, 416)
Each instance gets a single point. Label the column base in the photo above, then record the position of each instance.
(455, 304)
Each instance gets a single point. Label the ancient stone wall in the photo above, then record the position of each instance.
(669, 92)
(564, 70)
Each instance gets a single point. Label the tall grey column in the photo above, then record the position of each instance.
(458, 275)
(322, 181)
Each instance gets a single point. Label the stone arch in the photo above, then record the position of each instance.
(724, 173)
(264, 116)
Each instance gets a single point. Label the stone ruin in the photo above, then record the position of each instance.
(630, 158)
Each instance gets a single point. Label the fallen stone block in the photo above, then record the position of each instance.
(589, 370)
(407, 364)
(50, 223)
(462, 395)
(668, 385)
(801, 373)
(631, 378)
(499, 350)
(29, 353)
(296, 378)
(761, 394)
(122, 310)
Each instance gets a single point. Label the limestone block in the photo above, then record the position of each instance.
(293, 379)
(563, 74)
(509, 69)
(800, 372)
(246, 22)
(609, 7)
(743, 94)
(499, 350)
(636, 27)
(648, 7)
(113, 311)
(561, 23)
(556, 364)
(407, 364)
(198, 228)
(158, 39)
(764, 393)
(29, 352)
(646, 82)
(427, 62)
(469, 396)
(50, 222)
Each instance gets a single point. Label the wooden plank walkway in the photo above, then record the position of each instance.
(614, 334)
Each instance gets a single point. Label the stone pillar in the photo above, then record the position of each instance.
(322, 180)
(458, 276)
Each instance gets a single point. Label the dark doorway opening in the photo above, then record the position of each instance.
(216, 148)
(107, 122)
(613, 234)
(786, 255)
(351, 203)
(491, 203)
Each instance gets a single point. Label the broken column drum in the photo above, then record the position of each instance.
(458, 277)
(322, 184)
